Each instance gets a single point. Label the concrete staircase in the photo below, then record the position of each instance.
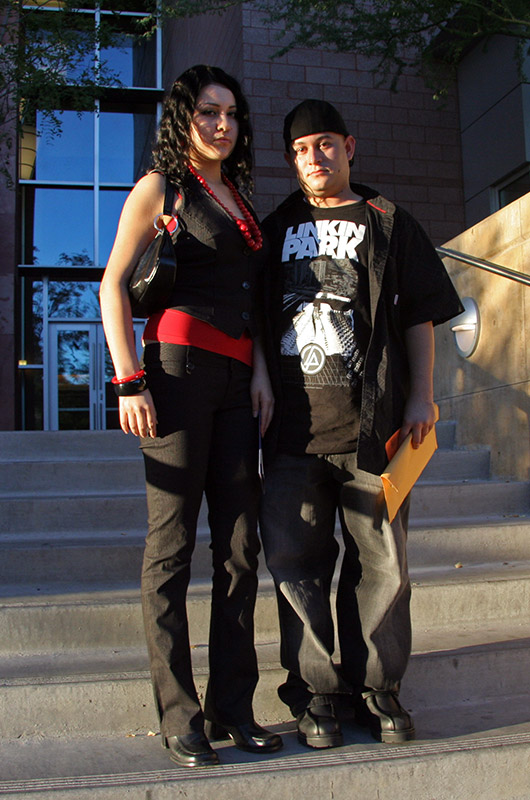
(76, 712)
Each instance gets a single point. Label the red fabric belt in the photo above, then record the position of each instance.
(177, 327)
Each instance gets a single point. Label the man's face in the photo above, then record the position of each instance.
(321, 161)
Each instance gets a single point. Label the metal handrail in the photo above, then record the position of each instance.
(488, 266)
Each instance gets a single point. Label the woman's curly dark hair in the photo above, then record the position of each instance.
(172, 148)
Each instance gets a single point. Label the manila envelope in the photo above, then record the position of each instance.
(405, 467)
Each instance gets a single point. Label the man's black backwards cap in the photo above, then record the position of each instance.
(312, 116)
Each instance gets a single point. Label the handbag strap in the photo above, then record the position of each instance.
(169, 209)
(168, 199)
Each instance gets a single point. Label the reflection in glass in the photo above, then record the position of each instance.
(68, 155)
(117, 5)
(74, 62)
(134, 61)
(73, 380)
(515, 189)
(110, 206)
(112, 412)
(73, 300)
(32, 321)
(27, 150)
(32, 394)
(59, 226)
(127, 162)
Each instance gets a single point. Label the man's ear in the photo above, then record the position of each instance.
(349, 144)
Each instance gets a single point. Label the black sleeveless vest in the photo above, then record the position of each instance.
(219, 278)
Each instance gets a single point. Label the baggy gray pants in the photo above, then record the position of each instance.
(302, 496)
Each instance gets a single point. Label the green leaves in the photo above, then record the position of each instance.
(427, 38)
(46, 46)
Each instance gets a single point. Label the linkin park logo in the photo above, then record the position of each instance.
(312, 359)
(333, 238)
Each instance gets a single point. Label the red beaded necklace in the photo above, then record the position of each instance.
(248, 227)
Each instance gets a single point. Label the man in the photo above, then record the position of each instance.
(357, 288)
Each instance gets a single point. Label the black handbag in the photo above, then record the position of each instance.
(153, 278)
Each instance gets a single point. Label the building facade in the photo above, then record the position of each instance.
(59, 222)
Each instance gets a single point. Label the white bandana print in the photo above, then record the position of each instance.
(319, 329)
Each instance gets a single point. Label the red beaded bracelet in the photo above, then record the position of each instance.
(135, 377)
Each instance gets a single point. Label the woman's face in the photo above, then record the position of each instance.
(214, 128)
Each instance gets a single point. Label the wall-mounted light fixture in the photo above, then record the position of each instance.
(466, 328)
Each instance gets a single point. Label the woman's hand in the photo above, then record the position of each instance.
(138, 414)
(261, 389)
(262, 398)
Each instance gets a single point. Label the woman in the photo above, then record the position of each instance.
(196, 408)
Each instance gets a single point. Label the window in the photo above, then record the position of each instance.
(512, 188)
(133, 61)
(73, 186)
(128, 61)
(80, 180)
(74, 183)
(515, 189)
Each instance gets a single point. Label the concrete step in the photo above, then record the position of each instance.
(96, 460)
(446, 434)
(102, 511)
(40, 446)
(495, 538)
(107, 511)
(73, 661)
(458, 465)
(83, 558)
(108, 691)
(104, 691)
(442, 598)
(478, 753)
(90, 475)
(115, 557)
(96, 445)
(30, 478)
(451, 502)
(47, 623)
(34, 462)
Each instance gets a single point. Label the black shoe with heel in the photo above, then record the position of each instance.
(249, 736)
(190, 750)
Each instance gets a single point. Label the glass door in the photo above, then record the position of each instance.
(80, 393)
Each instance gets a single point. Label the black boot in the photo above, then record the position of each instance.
(318, 725)
(382, 712)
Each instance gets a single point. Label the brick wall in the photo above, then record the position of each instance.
(408, 145)
(206, 39)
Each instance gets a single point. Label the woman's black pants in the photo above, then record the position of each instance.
(206, 442)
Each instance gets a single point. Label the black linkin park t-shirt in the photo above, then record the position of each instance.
(325, 328)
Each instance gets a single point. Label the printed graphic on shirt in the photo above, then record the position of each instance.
(321, 295)
(336, 238)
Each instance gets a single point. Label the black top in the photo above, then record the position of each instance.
(219, 278)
